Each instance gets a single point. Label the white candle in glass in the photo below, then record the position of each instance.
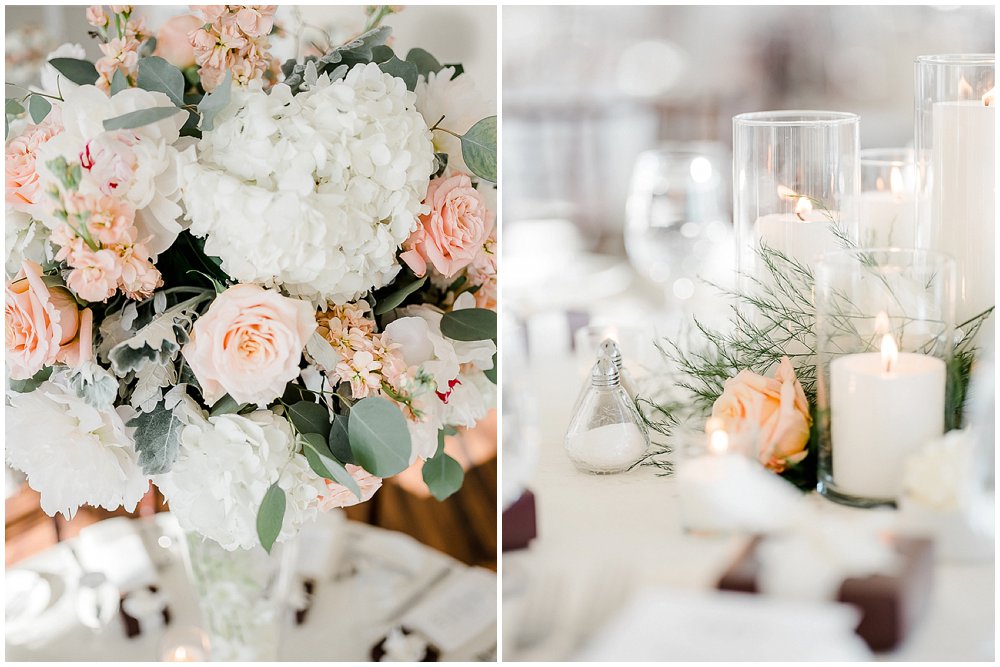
(883, 406)
(964, 196)
(802, 235)
(185, 654)
(888, 214)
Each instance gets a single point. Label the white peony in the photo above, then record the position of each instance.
(24, 238)
(72, 453)
(461, 105)
(223, 469)
(456, 392)
(52, 81)
(316, 192)
(141, 165)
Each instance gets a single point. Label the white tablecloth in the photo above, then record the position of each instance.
(603, 538)
(342, 624)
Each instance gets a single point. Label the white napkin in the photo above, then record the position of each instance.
(115, 547)
(665, 624)
(461, 607)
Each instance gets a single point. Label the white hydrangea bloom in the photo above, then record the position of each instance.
(313, 192)
(461, 105)
(223, 469)
(73, 453)
(24, 238)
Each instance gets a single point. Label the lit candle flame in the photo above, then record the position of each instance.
(964, 89)
(988, 97)
(896, 181)
(803, 207)
(889, 353)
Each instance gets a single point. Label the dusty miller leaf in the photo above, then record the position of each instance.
(157, 439)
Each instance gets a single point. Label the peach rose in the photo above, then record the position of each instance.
(40, 321)
(249, 344)
(771, 414)
(340, 496)
(453, 233)
(23, 187)
(174, 43)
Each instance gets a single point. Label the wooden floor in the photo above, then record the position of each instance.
(463, 526)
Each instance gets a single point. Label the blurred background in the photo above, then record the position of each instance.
(464, 526)
(588, 89)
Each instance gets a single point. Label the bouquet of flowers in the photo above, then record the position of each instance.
(262, 287)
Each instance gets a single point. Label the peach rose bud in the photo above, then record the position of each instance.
(340, 496)
(174, 43)
(249, 344)
(451, 236)
(39, 321)
(769, 415)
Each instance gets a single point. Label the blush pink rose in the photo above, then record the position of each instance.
(23, 188)
(453, 233)
(769, 414)
(40, 321)
(249, 344)
(339, 495)
(174, 43)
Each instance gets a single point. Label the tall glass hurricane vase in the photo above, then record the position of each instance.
(242, 595)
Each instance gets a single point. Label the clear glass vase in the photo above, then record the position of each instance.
(242, 594)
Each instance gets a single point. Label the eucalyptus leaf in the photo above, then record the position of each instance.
(270, 516)
(32, 383)
(443, 475)
(491, 373)
(380, 439)
(319, 458)
(440, 164)
(157, 439)
(118, 82)
(80, 72)
(226, 405)
(214, 102)
(13, 108)
(156, 74)
(398, 295)
(479, 149)
(339, 441)
(470, 324)
(424, 61)
(338, 60)
(459, 69)
(38, 108)
(309, 417)
(382, 53)
(148, 48)
(402, 70)
(134, 119)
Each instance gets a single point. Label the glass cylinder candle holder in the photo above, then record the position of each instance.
(954, 139)
(884, 342)
(888, 198)
(796, 176)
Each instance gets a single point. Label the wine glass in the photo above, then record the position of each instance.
(676, 216)
(97, 600)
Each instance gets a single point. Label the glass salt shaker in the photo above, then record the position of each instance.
(609, 348)
(606, 433)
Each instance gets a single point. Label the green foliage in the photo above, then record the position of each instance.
(491, 374)
(134, 119)
(401, 69)
(157, 439)
(270, 516)
(470, 324)
(423, 61)
(32, 383)
(395, 294)
(380, 440)
(227, 405)
(339, 440)
(443, 475)
(337, 61)
(479, 149)
(38, 108)
(118, 82)
(157, 75)
(309, 417)
(214, 102)
(80, 72)
(323, 463)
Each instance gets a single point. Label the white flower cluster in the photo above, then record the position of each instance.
(72, 452)
(315, 192)
(455, 99)
(223, 469)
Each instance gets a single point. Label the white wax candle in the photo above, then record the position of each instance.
(963, 199)
(888, 219)
(879, 417)
(798, 239)
(609, 448)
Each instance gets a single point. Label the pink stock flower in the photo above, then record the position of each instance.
(482, 273)
(94, 276)
(40, 321)
(139, 278)
(256, 20)
(96, 16)
(450, 236)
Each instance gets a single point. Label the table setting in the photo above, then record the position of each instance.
(817, 450)
(391, 582)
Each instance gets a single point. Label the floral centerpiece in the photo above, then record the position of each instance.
(262, 287)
